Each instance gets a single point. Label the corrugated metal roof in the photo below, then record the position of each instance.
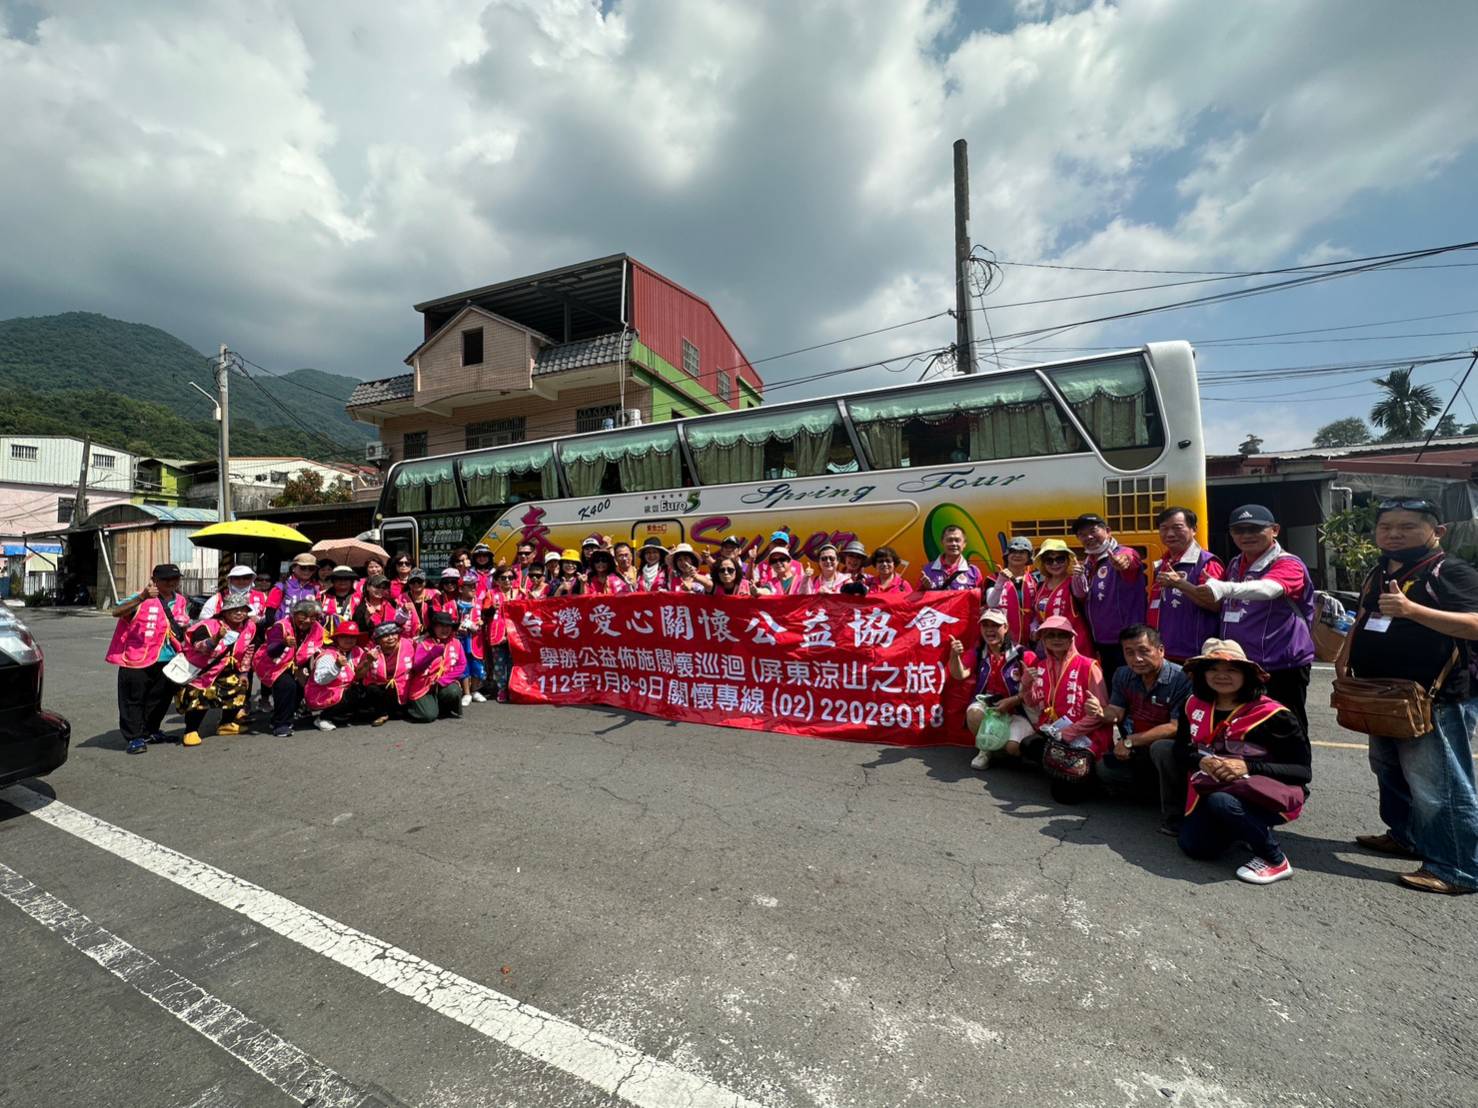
(601, 350)
(401, 387)
(592, 291)
(179, 515)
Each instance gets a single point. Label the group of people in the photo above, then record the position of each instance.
(1188, 681)
(1185, 680)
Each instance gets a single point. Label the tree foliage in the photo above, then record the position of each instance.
(1405, 408)
(1447, 427)
(306, 487)
(1350, 431)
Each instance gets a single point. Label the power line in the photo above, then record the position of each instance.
(1199, 272)
(332, 443)
(835, 342)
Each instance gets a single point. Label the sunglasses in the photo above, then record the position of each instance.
(827, 558)
(1408, 505)
(726, 569)
(1054, 558)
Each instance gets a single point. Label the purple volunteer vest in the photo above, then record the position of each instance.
(1112, 603)
(1183, 624)
(1274, 633)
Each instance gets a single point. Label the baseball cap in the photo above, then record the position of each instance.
(1088, 519)
(305, 559)
(242, 571)
(993, 615)
(165, 570)
(1252, 513)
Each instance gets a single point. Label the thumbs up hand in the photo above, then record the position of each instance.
(1394, 603)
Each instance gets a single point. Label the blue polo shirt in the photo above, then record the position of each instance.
(1144, 707)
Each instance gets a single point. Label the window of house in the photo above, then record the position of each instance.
(975, 419)
(808, 441)
(495, 432)
(690, 359)
(414, 444)
(642, 459)
(279, 477)
(24, 453)
(725, 388)
(594, 419)
(104, 461)
(64, 506)
(472, 347)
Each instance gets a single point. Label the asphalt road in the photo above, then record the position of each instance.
(759, 919)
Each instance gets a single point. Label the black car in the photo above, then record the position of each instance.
(32, 742)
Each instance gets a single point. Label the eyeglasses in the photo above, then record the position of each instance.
(882, 561)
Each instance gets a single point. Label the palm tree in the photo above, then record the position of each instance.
(1405, 408)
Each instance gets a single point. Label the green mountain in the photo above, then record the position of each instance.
(51, 367)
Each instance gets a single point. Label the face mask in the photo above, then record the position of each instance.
(1410, 556)
(1098, 548)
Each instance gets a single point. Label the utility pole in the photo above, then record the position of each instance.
(79, 502)
(964, 321)
(223, 438)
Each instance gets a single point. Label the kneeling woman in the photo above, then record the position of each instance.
(221, 651)
(282, 660)
(1248, 759)
(435, 686)
(1068, 689)
(331, 691)
(387, 675)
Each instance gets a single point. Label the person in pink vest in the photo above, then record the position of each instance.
(889, 580)
(651, 573)
(434, 690)
(221, 652)
(150, 629)
(340, 597)
(282, 662)
(335, 670)
(1067, 688)
(603, 580)
(1014, 591)
(495, 629)
(386, 677)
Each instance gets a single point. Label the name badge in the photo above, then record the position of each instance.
(1155, 603)
(1234, 616)
(1378, 623)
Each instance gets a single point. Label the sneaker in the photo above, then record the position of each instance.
(466, 700)
(229, 729)
(324, 725)
(1171, 826)
(192, 738)
(981, 760)
(158, 737)
(282, 732)
(477, 698)
(1262, 872)
(137, 746)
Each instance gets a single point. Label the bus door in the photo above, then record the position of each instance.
(399, 536)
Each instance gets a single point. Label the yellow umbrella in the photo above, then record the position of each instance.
(256, 535)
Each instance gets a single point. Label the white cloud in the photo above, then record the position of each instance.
(291, 177)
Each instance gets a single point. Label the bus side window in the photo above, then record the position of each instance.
(977, 419)
(510, 475)
(642, 459)
(425, 486)
(794, 442)
(1114, 401)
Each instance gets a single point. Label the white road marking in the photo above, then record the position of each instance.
(296, 1073)
(611, 1066)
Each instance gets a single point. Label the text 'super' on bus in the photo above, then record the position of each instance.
(1020, 452)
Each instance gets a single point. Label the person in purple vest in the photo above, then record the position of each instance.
(1267, 605)
(951, 570)
(1111, 586)
(1184, 622)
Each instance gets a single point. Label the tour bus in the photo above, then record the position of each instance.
(1018, 452)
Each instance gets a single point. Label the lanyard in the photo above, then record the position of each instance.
(1050, 705)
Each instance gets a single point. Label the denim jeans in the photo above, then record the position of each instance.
(1427, 793)
(1220, 819)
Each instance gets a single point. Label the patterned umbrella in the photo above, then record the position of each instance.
(349, 552)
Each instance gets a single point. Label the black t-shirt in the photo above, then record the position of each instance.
(1406, 649)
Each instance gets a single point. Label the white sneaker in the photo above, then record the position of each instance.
(324, 725)
(478, 698)
(466, 700)
(1260, 872)
(981, 760)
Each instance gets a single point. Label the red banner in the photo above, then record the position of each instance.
(868, 669)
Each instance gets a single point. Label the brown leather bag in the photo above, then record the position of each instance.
(1387, 707)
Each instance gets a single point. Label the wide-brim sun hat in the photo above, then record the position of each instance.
(654, 543)
(234, 600)
(305, 559)
(855, 547)
(1224, 650)
(679, 550)
(241, 571)
(443, 619)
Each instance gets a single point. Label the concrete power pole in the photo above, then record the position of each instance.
(964, 321)
(223, 439)
(79, 503)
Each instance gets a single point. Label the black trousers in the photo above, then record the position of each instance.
(1290, 688)
(143, 699)
(381, 700)
(287, 694)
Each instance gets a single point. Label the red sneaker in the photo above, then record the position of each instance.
(1261, 872)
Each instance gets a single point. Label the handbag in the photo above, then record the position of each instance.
(1064, 762)
(181, 670)
(1255, 789)
(1386, 707)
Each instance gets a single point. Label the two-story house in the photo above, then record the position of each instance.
(603, 343)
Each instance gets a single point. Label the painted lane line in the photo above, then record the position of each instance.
(265, 1053)
(611, 1066)
(1349, 746)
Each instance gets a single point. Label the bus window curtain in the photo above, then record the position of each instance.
(729, 463)
(732, 449)
(1016, 431)
(812, 451)
(410, 498)
(1111, 399)
(444, 495)
(652, 470)
(585, 474)
(489, 479)
(883, 441)
(490, 487)
(424, 485)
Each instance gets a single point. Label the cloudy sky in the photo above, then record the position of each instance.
(291, 177)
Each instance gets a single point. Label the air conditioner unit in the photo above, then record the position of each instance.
(376, 452)
(631, 417)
